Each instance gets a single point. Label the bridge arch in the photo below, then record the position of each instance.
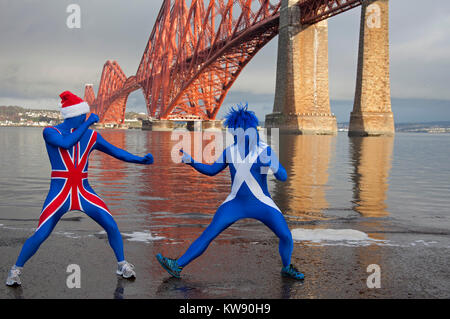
(195, 53)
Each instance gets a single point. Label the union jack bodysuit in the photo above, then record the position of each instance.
(70, 190)
(69, 177)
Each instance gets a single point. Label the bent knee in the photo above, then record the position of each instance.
(110, 226)
(286, 236)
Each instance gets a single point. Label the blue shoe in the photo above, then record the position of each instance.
(170, 265)
(292, 272)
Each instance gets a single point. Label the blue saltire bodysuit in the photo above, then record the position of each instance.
(249, 197)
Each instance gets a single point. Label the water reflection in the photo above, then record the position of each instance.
(371, 159)
(178, 202)
(109, 172)
(181, 199)
(15, 293)
(306, 159)
(122, 283)
(119, 291)
(288, 287)
(180, 288)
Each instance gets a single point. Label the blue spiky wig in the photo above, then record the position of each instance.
(241, 117)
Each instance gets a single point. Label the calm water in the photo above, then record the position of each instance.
(384, 187)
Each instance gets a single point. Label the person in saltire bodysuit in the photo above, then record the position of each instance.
(249, 160)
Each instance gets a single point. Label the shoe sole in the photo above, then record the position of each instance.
(289, 276)
(14, 284)
(129, 277)
(160, 260)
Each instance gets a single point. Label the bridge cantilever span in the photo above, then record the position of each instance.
(195, 53)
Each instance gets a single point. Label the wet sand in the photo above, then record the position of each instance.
(331, 271)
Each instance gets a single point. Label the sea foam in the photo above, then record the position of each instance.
(321, 235)
(141, 236)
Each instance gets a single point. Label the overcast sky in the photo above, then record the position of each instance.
(41, 57)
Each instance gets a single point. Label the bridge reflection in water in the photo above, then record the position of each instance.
(306, 159)
(187, 199)
(309, 161)
(175, 202)
(110, 172)
(179, 197)
(313, 167)
(371, 159)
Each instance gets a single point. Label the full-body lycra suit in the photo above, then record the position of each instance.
(68, 149)
(249, 198)
(249, 161)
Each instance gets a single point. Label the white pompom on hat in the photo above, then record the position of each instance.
(72, 105)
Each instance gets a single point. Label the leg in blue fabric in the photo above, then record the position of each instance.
(276, 222)
(34, 242)
(105, 220)
(226, 215)
(273, 219)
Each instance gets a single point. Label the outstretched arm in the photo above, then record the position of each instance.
(210, 170)
(105, 147)
(52, 137)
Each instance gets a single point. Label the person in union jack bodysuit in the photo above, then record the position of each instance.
(69, 145)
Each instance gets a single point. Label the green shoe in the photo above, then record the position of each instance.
(170, 265)
(292, 272)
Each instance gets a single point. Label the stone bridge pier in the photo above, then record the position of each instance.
(372, 114)
(302, 102)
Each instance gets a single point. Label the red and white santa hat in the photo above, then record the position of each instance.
(72, 105)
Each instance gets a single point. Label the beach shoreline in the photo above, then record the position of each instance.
(336, 272)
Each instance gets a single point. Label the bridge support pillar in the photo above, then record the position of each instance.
(194, 126)
(209, 125)
(372, 114)
(158, 125)
(214, 125)
(302, 103)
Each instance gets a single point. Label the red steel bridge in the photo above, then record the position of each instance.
(195, 53)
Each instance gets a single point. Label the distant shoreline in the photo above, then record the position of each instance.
(431, 131)
(16, 116)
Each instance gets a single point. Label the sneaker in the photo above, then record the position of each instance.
(126, 270)
(14, 276)
(292, 272)
(170, 265)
